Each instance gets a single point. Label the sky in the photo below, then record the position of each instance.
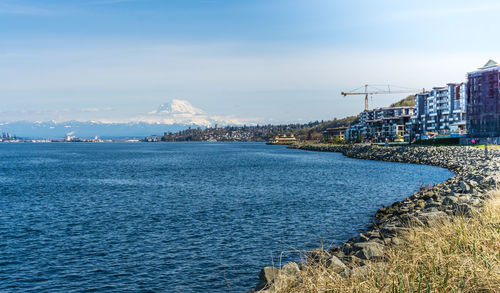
(264, 61)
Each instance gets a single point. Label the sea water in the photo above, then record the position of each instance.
(179, 217)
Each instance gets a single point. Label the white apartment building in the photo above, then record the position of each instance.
(440, 111)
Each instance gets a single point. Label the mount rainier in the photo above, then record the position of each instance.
(172, 116)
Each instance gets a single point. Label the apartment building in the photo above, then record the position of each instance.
(483, 101)
(354, 133)
(458, 108)
(335, 134)
(440, 111)
(380, 124)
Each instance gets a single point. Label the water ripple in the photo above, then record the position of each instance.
(178, 217)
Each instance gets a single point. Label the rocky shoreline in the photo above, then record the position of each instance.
(476, 174)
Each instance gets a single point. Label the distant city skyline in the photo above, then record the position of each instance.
(257, 61)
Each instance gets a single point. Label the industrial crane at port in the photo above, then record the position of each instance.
(385, 89)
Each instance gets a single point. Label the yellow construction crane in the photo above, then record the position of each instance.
(370, 90)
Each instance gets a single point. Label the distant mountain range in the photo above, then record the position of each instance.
(173, 116)
(90, 129)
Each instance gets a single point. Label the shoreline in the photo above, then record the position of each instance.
(466, 192)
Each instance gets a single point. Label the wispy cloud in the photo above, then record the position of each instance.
(90, 110)
(441, 11)
(19, 9)
(63, 114)
(108, 2)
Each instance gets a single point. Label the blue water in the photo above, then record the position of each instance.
(178, 217)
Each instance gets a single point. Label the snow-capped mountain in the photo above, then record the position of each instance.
(177, 107)
(172, 116)
(177, 111)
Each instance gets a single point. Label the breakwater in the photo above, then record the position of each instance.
(476, 174)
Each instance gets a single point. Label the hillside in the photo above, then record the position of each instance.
(315, 132)
(408, 101)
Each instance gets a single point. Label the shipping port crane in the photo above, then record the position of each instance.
(372, 89)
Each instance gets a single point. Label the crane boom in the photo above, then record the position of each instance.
(376, 91)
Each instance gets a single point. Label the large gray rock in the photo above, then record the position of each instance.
(450, 200)
(465, 187)
(432, 216)
(335, 264)
(369, 250)
(391, 230)
(290, 269)
(266, 277)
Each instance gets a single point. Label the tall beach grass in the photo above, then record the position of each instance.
(456, 254)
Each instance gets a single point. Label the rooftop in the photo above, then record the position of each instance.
(489, 64)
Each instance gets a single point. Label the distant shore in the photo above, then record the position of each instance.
(477, 174)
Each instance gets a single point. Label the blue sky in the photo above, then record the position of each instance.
(262, 60)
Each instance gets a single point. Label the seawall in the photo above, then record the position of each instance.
(476, 174)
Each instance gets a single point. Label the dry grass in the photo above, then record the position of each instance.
(490, 146)
(461, 254)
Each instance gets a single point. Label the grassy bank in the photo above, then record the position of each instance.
(459, 254)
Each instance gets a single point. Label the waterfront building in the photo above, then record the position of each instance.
(353, 133)
(380, 124)
(335, 134)
(483, 101)
(416, 124)
(440, 111)
(458, 109)
(283, 139)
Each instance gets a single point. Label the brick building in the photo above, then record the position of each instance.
(483, 101)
